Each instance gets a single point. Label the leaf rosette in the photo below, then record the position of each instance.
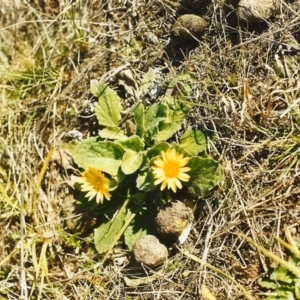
(147, 162)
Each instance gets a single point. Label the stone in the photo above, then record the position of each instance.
(189, 26)
(149, 251)
(252, 12)
(172, 221)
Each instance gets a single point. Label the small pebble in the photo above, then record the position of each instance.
(189, 27)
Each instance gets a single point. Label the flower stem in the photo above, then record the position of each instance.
(168, 196)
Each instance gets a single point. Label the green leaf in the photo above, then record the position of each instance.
(112, 133)
(156, 150)
(133, 157)
(106, 232)
(145, 181)
(139, 116)
(205, 175)
(181, 86)
(142, 224)
(178, 109)
(154, 114)
(108, 110)
(131, 161)
(105, 156)
(282, 295)
(297, 288)
(165, 131)
(267, 284)
(193, 141)
(281, 274)
(133, 143)
(178, 98)
(183, 151)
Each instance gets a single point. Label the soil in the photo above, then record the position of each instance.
(246, 99)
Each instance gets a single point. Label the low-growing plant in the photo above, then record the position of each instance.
(130, 172)
(283, 282)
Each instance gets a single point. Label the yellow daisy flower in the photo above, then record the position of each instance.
(95, 183)
(169, 170)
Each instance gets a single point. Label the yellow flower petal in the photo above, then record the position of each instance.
(163, 186)
(169, 170)
(185, 169)
(159, 163)
(158, 181)
(95, 184)
(178, 183)
(183, 177)
(184, 161)
(172, 185)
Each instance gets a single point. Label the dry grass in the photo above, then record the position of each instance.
(248, 107)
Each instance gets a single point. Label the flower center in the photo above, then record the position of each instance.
(96, 181)
(171, 169)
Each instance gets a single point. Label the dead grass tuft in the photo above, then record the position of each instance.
(246, 97)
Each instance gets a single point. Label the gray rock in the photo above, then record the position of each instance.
(189, 26)
(172, 220)
(256, 11)
(149, 251)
